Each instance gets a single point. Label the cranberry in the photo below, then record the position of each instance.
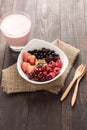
(48, 77)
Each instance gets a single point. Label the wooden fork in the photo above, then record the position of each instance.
(76, 88)
(78, 73)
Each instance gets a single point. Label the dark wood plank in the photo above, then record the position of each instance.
(6, 6)
(73, 31)
(47, 25)
(13, 111)
(14, 108)
(80, 111)
(43, 113)
(43, 110)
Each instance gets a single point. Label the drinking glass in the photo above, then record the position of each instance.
(16, 29)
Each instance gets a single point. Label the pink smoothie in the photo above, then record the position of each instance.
(16, 28)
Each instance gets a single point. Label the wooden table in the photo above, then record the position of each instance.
(51, 19)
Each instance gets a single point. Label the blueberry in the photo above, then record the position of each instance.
(43, 49)
(49, 53)
(35, 50)
(31, 52)
(53, 53)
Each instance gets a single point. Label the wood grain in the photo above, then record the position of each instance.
(47, 20)
(73, 31)
(43, 110)
(6, 6)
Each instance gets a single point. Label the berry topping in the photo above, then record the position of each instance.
(41, 65)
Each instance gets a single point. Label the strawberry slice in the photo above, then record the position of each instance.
(25, 56)
(28, 58)
(32, 59)
(23, 66)
(30, 69)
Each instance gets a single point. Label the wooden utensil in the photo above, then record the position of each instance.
(78, 73)
(76, 88)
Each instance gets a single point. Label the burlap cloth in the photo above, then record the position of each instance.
(12, 82)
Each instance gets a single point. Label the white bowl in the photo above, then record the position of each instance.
(38, 44)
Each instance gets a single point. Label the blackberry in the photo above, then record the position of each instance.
(56, 58)
(49, 58)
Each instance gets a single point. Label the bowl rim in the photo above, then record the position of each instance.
(24, 50)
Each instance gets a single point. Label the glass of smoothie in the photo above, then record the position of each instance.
(16, 28)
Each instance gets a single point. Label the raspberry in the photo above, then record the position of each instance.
(52, 64)
(49, 69)
(45, 73)
(59, 63)
(56, 70)
(52, 74)
(43, 68)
